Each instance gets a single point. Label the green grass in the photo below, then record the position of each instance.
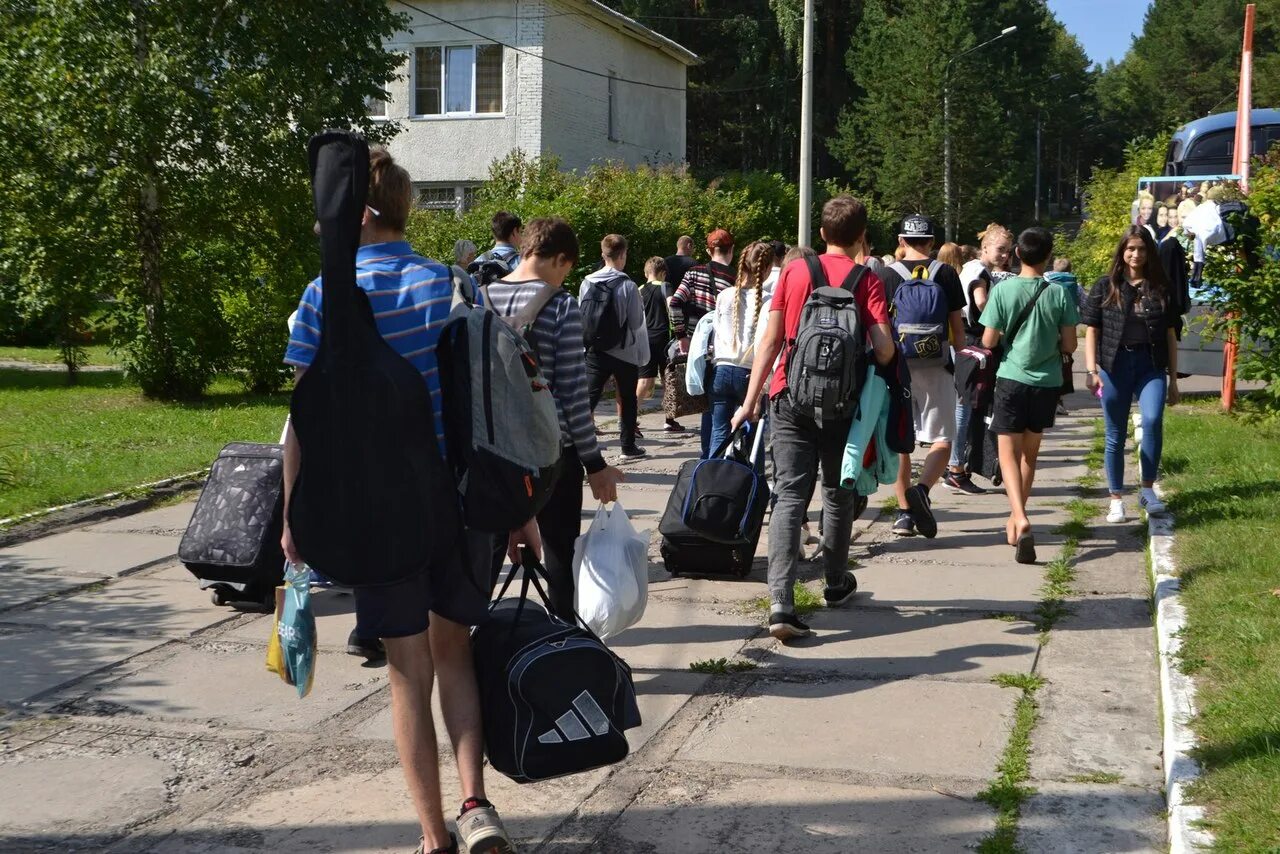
(97, 354)
(889, 505)
(1007, 792)
(807, 601)
(1081, 513)
(63, 443)
(1224, 477)
(721, 666)
(1093, 460)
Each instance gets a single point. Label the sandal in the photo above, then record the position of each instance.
(1025, 550)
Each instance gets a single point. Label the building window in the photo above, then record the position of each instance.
(375, 108)
(613, 107)
(445, 197)
(457, 80)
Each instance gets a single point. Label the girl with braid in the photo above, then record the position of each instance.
(740, 318)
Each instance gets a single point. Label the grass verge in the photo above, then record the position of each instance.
(1007, 792)
(64, 443)
(97, 354)
(1093, 460)
(1223, 475)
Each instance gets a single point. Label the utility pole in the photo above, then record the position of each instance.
(804, 229)
(1039, 122)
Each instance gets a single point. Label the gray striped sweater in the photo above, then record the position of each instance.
(557, 335)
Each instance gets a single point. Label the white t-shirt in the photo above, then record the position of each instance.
(969, 273)
(738, 346)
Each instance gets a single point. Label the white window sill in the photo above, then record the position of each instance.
(458, 116)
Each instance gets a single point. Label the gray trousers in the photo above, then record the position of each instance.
(800, 449)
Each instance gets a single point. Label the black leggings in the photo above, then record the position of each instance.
(602, 366)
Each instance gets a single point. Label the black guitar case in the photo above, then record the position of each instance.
(373, 503)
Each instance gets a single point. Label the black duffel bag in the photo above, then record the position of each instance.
(554, 699)
(723, 498)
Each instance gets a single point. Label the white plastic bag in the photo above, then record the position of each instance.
(611, 573)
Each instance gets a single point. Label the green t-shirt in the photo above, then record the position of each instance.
(1033, 359)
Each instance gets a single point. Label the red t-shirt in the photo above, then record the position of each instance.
(793, 290)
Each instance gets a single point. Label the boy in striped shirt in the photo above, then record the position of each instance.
(424, 622)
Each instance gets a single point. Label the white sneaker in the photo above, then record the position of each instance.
(1151, 502)
(1116, 513)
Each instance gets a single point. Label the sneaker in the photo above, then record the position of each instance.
(481, 829)
(633, 454)
(961, 483)
(370, 649)
(1151, 502)
(1116, 513)
(904, 525)
(673, 426)
(921, 513)
(785, 625)
(842, 592)
(1062, 408)
(452, 849)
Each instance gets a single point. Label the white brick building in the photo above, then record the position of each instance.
(546, 76)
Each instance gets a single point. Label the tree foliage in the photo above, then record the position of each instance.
(1108, 198)
(1185, 64)
(155, 152)
(892, 137)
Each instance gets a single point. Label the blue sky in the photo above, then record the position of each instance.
(1105, 27)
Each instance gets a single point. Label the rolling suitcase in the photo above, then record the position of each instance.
(232, 543)
(713, 519)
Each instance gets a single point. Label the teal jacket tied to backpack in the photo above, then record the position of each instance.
(868, 432)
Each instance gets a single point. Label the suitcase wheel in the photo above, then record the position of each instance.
(218, 596)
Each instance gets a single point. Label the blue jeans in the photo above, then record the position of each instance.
(728, 392)
(960, 447)
(1133, 374)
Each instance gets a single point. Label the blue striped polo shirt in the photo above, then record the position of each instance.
(411, 297)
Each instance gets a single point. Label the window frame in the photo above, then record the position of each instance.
(445, 114)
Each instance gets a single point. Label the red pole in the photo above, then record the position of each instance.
(1244, 146)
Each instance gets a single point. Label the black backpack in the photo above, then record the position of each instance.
(554, 699)
(373, 503)
(827, 362)
(602, 325)
(490, 267)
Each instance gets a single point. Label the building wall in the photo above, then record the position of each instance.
(650, 123)
(548, 109)
(445, 150)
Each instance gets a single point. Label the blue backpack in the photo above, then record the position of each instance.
(919, 312)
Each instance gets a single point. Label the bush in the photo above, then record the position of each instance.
(1242, 281)
(1109, 196)
(652, 207)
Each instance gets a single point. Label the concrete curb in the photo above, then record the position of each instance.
(1177, 693)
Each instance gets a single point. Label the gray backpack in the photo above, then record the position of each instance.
(500, 418)
(827, 361)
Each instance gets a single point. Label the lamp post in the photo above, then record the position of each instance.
(946, 125)
(804, 227)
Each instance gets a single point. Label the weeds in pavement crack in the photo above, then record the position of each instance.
(721, 666)
(807, 601)
(1008, 791)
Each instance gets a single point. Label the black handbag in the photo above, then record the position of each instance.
(373, 503)
(554, 699)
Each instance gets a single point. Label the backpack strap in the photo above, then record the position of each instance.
(901, 269)
(1025, 313)
(854, 278)
(525, 317)
(817, 275)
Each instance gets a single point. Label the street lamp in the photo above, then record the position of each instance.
(946, 123)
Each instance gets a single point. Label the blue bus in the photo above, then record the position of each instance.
(1207, 146)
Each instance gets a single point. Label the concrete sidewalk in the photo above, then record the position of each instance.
(139, 718)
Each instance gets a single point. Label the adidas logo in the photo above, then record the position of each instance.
(588, 719)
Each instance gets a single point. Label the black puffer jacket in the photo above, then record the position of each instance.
(1111, 319)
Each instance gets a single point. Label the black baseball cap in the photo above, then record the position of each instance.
(916, 227)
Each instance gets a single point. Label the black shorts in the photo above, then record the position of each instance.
(1021, 408)
(452, 588)
(657, 363)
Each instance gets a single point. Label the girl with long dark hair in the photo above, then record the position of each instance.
(1130, 350)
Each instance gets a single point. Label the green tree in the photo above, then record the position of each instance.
(1185, 64)
(157, 149)
(891, 138)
